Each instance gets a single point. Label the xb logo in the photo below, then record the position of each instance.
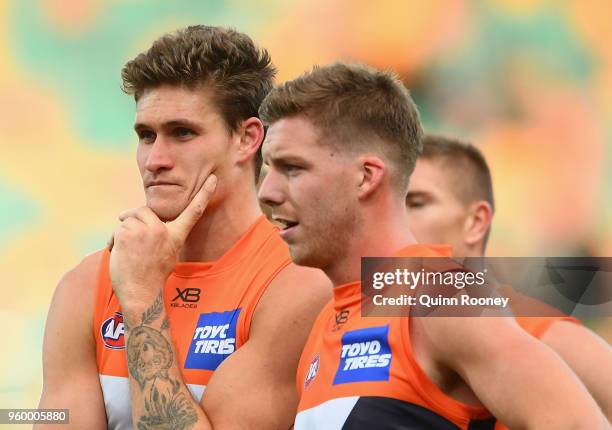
(187, 296)
(342, 316)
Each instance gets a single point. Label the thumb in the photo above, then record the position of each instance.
(179, 228)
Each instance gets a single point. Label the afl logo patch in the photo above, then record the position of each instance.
(113, 332)
(313, 369)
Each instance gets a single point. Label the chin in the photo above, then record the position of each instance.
(164, 212)
(305, 258)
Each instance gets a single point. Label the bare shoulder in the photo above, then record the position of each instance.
(75, 292)
(568, 331)
(457, 339)
(296, 291)
(567, 337)
(288, 309)
(85, 271)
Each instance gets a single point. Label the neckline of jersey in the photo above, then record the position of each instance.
(347, 295)
(232, 257)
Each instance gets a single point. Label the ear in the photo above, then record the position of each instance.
(480, 215)
(372, 172)
(249, 138)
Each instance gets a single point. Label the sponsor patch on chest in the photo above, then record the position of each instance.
(365, 356)
(214, 340)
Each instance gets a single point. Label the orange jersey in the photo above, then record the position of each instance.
(361, 373)
(209, 308)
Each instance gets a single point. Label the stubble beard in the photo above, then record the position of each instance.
(321, 250)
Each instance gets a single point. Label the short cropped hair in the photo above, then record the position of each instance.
(354, 107)
(467, 161)
(238, 73)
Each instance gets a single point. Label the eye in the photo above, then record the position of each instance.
(183, 133)
(415, 204)
(291, 169)
(146, 136)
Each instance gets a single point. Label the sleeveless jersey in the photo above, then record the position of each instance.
(361, 373)
(209, 308)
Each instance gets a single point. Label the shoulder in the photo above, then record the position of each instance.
(567, 334)
(86, 270)
(78, 286)
(293, 298)
(457, 340)
(298, 287)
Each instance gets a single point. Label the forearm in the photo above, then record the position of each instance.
(160, 398)
(519, 379)
(586, 354)
(555, 397)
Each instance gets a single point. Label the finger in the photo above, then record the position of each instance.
(143, 214)
(182, 225)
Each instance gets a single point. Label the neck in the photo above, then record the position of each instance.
(222, 225)
(379, 234)
(476, 250)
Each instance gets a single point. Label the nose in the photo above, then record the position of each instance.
(159, 156)
(271, 189)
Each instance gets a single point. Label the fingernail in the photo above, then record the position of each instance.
(211, 183)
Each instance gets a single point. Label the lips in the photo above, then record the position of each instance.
(153, 184)
(283, 223)
(286, 225)
(159, 183)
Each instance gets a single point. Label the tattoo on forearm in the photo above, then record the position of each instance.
(149, 358)
(154, 310)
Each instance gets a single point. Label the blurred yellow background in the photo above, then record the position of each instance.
(528, 81)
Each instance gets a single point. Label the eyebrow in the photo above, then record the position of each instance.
(286, 159)
(181, 122)
(418, 194)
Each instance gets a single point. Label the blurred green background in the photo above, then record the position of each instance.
(528, 81)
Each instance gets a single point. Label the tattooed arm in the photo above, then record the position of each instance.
(144, 253)
(160, 399)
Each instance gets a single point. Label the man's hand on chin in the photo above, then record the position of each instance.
(145, 249)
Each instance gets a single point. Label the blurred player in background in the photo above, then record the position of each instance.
(342, 142)
(450, 200)
(199, 291)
